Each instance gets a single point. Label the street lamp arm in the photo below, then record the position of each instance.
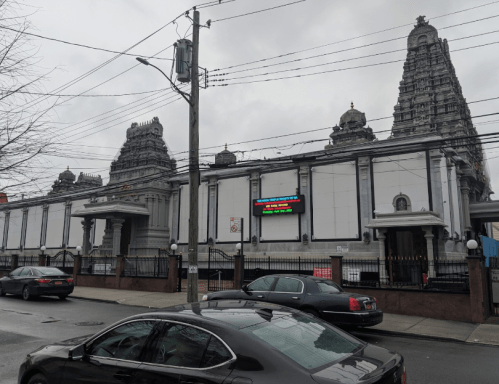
(164, 74)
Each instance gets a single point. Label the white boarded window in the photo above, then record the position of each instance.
(34, 228)
(184, 213)
(397, 174)
(55, 225)
(334, 200)
(15, 225)
(100, 226)
(75, 226)
(280, 227)
(233, 202)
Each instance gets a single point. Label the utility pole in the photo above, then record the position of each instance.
(192, 276)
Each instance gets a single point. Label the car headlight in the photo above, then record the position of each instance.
(205, 297)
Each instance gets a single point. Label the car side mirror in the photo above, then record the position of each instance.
(77, 353)
(244, 288)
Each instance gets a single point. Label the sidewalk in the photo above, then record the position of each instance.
(396, 325)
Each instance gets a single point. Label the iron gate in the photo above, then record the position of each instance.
(220, 270)
(63, 260)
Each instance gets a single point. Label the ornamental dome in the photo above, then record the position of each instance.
(423, 33)
(353, 117)
(67, 175)
(225, 157)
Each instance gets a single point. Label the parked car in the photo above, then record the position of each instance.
(215, 342)
(36, 281)
(317, 296)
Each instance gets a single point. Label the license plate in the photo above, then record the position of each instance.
(58, 283)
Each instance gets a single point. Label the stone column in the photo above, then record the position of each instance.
(306, 227)
(366, 208)
(212, 214)
(477, 288)
(42, 260)
(465, 198)
(172, 274)
(76, 268)
(87, 229)
(436, 182)
(429, 250)
(117, 225)
(255, 222)
(382, 255)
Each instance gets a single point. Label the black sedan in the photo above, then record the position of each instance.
(320, 297)
(36, 281)
(215, 342)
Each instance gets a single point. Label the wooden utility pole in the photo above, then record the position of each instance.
(192, 275)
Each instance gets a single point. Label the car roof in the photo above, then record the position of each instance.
(234, 313)
(297, 275)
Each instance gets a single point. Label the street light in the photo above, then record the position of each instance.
(43, 248)
(238, 247)
(174, 248)
(472, 245)
(78, 249)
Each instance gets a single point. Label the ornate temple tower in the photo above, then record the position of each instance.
(143, 154)
(430, 98)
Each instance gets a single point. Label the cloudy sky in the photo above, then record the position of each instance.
(93, 128)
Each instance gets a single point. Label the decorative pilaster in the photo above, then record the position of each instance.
(6, 230)
(465, 198)
(67, 222)
(87, 230)
(305, 191)
(436, 182)
(212, 214)
(382, 255)
(366, 209)
(45, 217)
(117, 225)
(429, 250)
(255, 194)
(24, 227)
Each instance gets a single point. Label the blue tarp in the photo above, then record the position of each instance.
(490, 248)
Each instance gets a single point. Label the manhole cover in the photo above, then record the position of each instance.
(87, 323)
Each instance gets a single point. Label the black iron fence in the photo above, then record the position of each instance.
(105, 265)
(5, 263)
(64, 260)
(445, 275)
(257, 267)
(220, 270)
(23, 261)
(146, 267)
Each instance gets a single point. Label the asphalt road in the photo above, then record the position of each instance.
(24, 326)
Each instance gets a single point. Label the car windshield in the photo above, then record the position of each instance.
(307, 341)
(49, 271)
(328, 286)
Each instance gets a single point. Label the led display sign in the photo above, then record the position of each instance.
(279, 205)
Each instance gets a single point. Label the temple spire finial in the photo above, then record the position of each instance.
(351, 105)
(68, 168)
(225, 146)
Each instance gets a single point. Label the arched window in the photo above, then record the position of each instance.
(401, 204)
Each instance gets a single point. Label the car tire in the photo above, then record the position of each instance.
(2, 292)
(312, 312)
(38, 379)
(62, 297)
(26, 293)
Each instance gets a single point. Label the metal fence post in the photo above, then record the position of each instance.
(379, 273)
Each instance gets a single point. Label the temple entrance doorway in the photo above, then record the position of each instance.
(126, 236)
(406, 255)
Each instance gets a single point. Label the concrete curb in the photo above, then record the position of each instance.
(113, 302)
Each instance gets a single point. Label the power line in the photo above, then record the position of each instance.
(262, 10)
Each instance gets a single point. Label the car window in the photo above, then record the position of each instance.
(262, 284)
(16, 272)
(308, 341)
(188, 347)
(50, 271)
(328, 286)
(25, 272)
(285, 284)
(124, 342)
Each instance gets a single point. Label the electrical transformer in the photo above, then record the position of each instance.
(184, 60)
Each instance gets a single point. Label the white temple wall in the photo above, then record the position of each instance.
(15, 224)
(233, 201)
(183, 235)
(397, 174)
(34, 227)
(55, 225)
(75, 226)
(334, 202)
(279, 227)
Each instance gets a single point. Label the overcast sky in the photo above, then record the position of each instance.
(243, 112)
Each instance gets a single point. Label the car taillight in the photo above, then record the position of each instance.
(375, 301)
(354, 304)
(70, 280)
(404, 377)
(43, 280)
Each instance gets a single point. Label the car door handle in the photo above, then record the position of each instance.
(121, 375)
(260, 296)
(295, 298)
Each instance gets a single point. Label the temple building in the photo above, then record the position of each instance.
(418, 194)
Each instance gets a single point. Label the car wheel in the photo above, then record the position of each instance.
(38, 379)
(2, 292)
(26, 294)
(63, 297)
(311, 311)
